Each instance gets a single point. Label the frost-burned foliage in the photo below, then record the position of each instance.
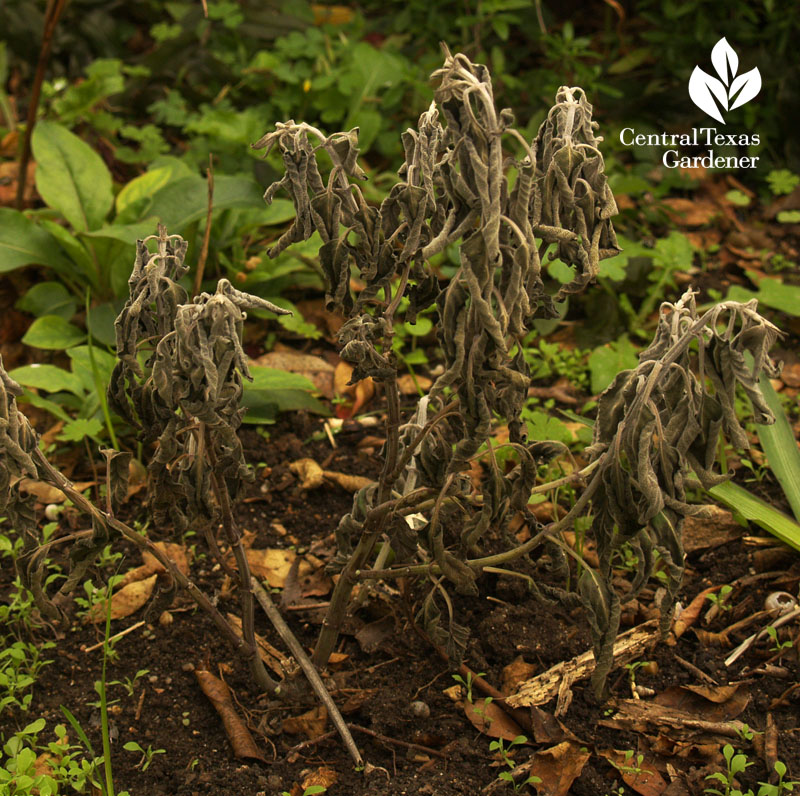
(17, 442)
(454, 189)
(653, 424)
(188, 394)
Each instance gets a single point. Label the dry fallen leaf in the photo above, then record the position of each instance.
(325, 777)
(361, 392)
(411, 385)
(125, 601)
(244, 747)
(309, 472)
(558, 767)
(352, 483)
(490, 719)
(273, 565)
(150, 564)
(312, 723)
(690, 212)
(709, 702)
(515, 673)
(641, 775)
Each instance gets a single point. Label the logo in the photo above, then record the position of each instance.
(730, 91)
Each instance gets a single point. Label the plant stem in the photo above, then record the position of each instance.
(109, 776)
(372, 530)
(257, 667)
(53, 12)
(201, 260)
(284, 631)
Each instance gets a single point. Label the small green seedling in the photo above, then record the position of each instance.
(147, 754)
(503, 751)
(721, 599)
(736, 763)
(781, 787)
(467, 684)
(778, 647)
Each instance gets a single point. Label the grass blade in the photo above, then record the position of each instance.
(757, 511)
(780, 448)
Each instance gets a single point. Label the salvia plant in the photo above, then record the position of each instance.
(653, 422)
(180, 369)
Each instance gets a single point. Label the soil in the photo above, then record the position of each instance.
(379, 681)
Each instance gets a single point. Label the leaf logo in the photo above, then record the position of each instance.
(729, 91)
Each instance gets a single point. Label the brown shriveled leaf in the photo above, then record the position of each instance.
(322, 776)
(273, 565)
(558, 767)
(644, 780)
(244, 747)
(361, 392)
(709, 702)
(137, 477)
(372, 635)
(319, 372)
(309, 472)
(312, 723)
(492, 720)
(125, 601)
(352, 483)
(690, 614)
(515, 673)
(271, 656)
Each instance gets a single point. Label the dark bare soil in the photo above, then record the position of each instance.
(377, 681)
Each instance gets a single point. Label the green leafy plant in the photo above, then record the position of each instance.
(147, 754)
(504, 751)
(720, 599)
(782, 181)
(778, 647)
(736, 763)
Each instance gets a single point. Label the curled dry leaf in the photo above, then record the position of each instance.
(324, 777)
(46, 493)
(218, 693)
(312, 476)
(639, 775)
(709, 702)
(312, 723)
(691, 613)
(125, 601)
(361, 392)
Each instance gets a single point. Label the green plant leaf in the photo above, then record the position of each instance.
(608, 360)
(82, 365)
(48, 298)
(100, 322)
(756, 510)
(263, 405)
(274, 379)
(542, 426)
(81, 427)
(738, 198)
(780, 447)
(143, 186)
(53, 332)
(180, 203)
(22, 242)
(71, 177)
(48, 377)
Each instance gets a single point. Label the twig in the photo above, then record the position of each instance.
(396, 742)
(285, 632)
(115, 637)
(52, 14)
(201, 260)
(695, 670)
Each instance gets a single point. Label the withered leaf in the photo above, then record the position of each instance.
(124, 601)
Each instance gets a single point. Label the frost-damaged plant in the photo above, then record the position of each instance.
(179, 380)
(455, 189)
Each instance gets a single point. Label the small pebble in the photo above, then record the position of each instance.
(188, 667)
(419, 709)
